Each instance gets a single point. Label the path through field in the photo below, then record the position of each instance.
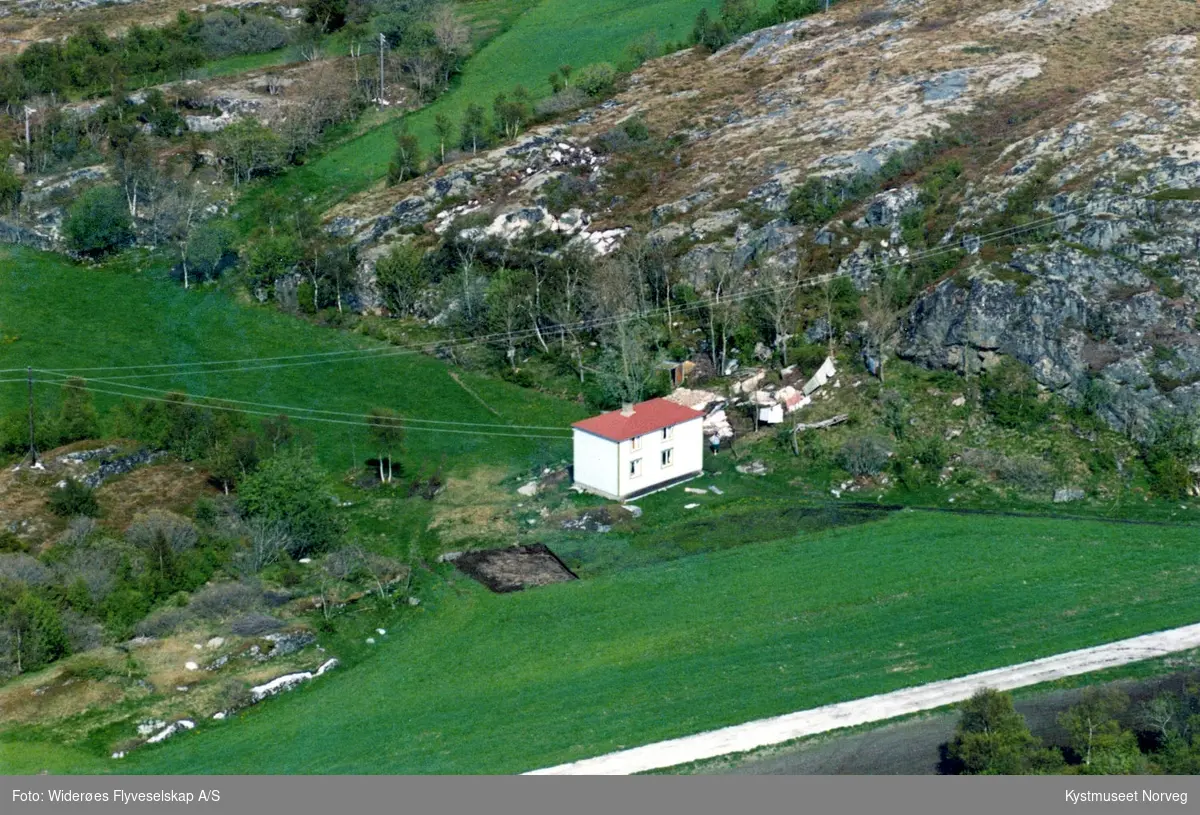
(779, 729)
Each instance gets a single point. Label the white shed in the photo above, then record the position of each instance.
(638, 449)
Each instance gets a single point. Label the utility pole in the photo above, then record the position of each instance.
(33, 457)
(382, 45)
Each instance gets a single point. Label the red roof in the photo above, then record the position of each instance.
(647, 417)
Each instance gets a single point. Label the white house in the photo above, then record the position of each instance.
(640, 448)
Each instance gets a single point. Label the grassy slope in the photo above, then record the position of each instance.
(503, 683)
(546, 36)
(68, 316)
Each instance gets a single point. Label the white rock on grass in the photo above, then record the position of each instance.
(191, 666)
(171, 730)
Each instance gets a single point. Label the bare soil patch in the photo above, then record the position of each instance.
(515, 568)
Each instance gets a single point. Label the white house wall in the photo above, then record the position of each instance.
(596, 464)
(687, 442)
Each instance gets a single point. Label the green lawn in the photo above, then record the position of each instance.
(65, 315)
(485, 683)
(547, 35)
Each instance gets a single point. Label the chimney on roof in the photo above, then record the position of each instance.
(627, 409)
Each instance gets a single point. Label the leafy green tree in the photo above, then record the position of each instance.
(248, 148)
(290, 490)
(406, 157)
(1096, 735)
(73, 498)
(207, 248)
(1010, 394)
(401, 278)
(597, 79)
(98, 222)
(472, 132)
(387, 434)
(444, 129)
(35, 633)
(10, 189)
(785, 10)
(77, 418)
(738, 15)
(325, 15)
(511, 112)
(993, 739)
(232, 459)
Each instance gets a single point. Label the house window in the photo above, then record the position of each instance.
(667, 433)
(666, 456)
(635, 443)
(635, 468)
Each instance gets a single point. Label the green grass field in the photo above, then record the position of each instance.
(504, 683)
(547, 35)
(62, 315)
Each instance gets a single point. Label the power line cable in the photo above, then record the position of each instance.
(399, 420)
(394, 350)
(296, 408)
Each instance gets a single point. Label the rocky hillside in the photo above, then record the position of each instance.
(1030, 170)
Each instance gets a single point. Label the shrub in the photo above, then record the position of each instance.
(785, 10)
(1026, 473)
(864, 456)
(10, 542)
(1010, 395)
(597, 79)
(25, 570)
(931, 454)
(83, 633)
(161, 529)
(255, 624)
(43, 638)
(225, 599)
(290, 490)
(226, 34)
(98, 222)
(74, 498)
(565, 100)
(234, 695)
(163, 623)
(1169, 477)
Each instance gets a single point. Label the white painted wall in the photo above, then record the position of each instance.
(596, 464)
(604, 466)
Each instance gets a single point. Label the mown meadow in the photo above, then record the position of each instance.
(505, 683)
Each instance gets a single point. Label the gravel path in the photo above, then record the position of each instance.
(778, 729)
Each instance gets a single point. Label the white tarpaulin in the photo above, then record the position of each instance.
(823, 375)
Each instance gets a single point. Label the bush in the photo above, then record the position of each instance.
(74, 498)
(290, 490)
(597, 79)
(226, 34)
(255, 625)
(1010, 395)
(564, 101)
(1169, 477)
(225, 599)
(98, 222)
(1026, 473)
(22, 569)
(863, 456)
(163, 623)
(785, 10)
(234, 695)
